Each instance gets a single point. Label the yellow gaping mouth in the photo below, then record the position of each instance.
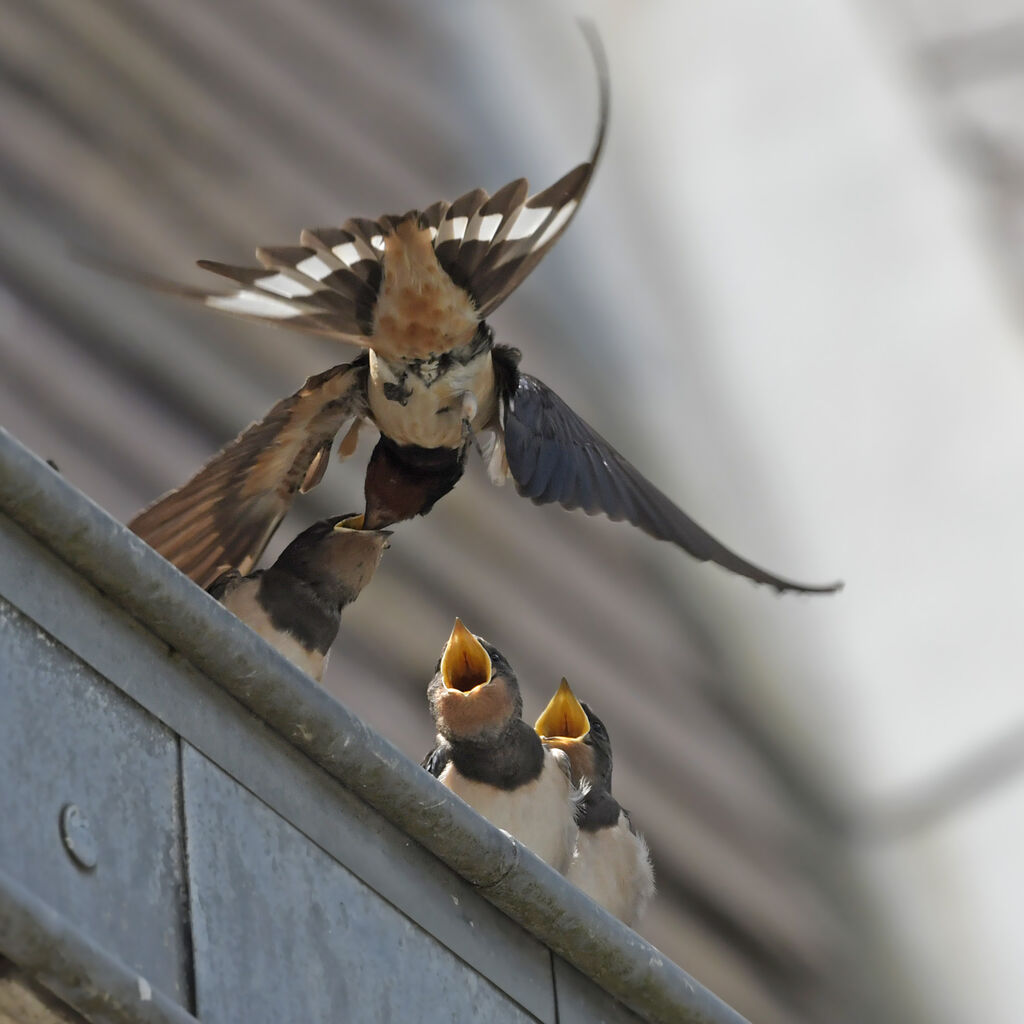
(465, 664)
(564, 716)
(352, 523)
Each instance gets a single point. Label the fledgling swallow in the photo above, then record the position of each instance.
(611, 863)
(490, 757)
(415, 290)
(296, 604)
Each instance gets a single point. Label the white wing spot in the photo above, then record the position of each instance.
(556, 224)
(527, 222)
(377, 241)
(314, 267)
(487, 226)
(357, 249)
(347, 253)
(453, 227)
(281, 284)
(253, 304)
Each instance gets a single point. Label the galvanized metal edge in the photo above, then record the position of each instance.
(76, 970)
(168, 604)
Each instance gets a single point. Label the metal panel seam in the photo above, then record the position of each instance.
(64, 959)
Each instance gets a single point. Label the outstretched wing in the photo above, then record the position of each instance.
(553, 455)
(227, 513)
(330, 283)
(327, 285)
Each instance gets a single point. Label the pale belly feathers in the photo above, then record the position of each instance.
(242, 602)
(539, 814)
(613, 867)
(431, 408)
(420, 314)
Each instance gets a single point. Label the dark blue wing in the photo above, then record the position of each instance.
(554, 456)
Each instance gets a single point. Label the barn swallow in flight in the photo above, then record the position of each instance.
(414, 290)
(296, 604)
(611, 863)
(490, 757)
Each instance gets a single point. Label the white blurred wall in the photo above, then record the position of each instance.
(859, 338)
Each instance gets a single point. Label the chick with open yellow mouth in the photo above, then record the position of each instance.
(611, 863)
(490, 757)
(296, 604)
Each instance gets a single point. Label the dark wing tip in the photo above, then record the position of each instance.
(132, 275)
(592, 37)
(806, 588)
(554, 456)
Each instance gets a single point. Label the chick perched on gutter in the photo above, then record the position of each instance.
(490, 757)
(296, 604)
(611, 863)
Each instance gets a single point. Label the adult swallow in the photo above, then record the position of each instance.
(296, 604)
(611, 863)
(415, 290)
(490, 757)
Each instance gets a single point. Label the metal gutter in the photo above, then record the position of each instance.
(170, 606)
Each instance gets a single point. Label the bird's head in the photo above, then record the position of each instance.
(336, 556)
(474, 694)
(570, 725)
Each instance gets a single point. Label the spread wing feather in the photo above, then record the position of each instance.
(227, 513)
(554, 456)
(329, 284)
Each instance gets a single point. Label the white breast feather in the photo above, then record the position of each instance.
(538, 814)
(613, 867)
(241, 600)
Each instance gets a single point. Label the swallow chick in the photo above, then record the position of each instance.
(415, 290)
(490, 757)
(296, 604)
(611, 863)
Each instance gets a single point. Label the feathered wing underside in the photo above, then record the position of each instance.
(227, 513)
(486, 244)
(554, 456)
(326, 285)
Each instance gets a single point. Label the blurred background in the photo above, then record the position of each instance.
(801, 258)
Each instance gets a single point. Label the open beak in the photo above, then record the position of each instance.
(465, 664)
(356, 523)
(564, 716)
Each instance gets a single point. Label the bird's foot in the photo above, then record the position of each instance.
(469, 408)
